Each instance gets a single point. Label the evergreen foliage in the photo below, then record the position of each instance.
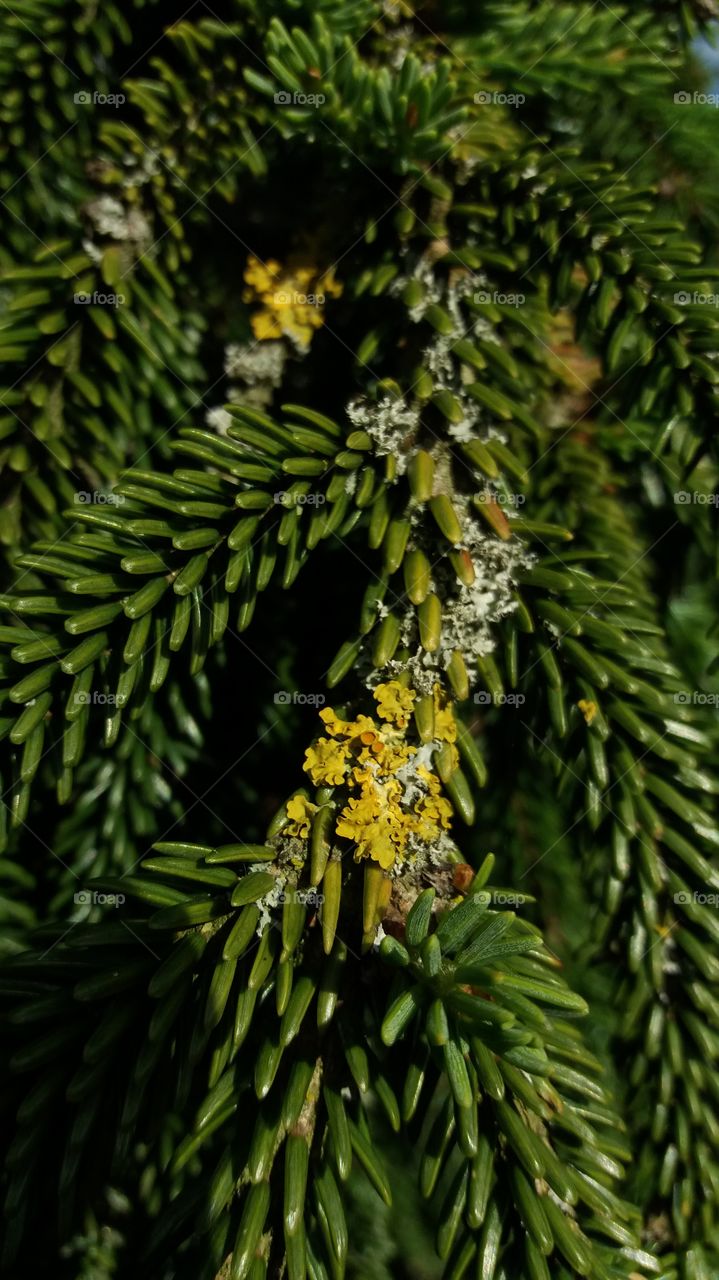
(358, 739)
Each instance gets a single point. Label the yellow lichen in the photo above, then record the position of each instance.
(292, 298)
(367, 757)
(326, 762)
(588, 709)
(445, 726)
(394, 703)
(344, 728)
(300, 811)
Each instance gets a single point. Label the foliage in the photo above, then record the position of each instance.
(358, 534)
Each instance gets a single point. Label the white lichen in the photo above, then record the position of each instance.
(257, 370)
(433, 288)
(401, 39)
(440, 362)
(390, 423)
(140, 170)
(470, 613)
(271, 901)
(463, 431)
(459, 287)
(255, 363)
(110, 217)
(379, 935)
(218, 419)
(92, 250)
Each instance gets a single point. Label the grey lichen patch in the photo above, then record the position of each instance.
(469, 613)
(287, 867)
(431, 867)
